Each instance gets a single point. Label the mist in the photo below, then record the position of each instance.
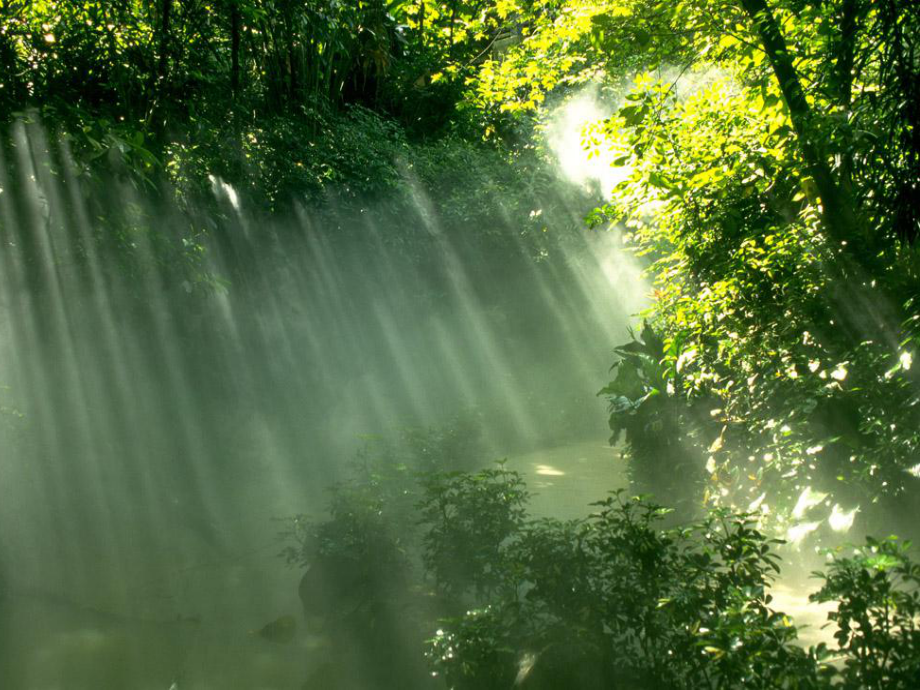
(155, 427)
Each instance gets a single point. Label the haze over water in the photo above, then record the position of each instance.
(152, 428)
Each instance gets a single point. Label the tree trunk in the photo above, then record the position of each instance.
(838, 213)
(290, 60)
(234, 48)
(844, 59)
(165, 17)
(421, 22)
(450, 43)
(158, 112)
(865, 309)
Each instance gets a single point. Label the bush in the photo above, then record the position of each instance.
(660, 426)
(471, 519)
(614, 599)
(878, 615)
(364, 549)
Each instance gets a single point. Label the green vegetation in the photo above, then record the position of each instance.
(769, 159)
(767, 154)
(470, 519)
(279, 98)
(615, 597)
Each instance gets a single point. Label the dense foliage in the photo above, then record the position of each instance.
(769, 158)
(616, 599)
(878, 589)
(613, 598)
(470, 518)
(192, 89)
(768, 153)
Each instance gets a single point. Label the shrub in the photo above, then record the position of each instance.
(615, 599)
(471, 519)
(877, 616)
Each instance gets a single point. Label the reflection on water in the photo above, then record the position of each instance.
(566, 479)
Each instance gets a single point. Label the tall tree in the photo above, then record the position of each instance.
(839, 214)
(235, 47)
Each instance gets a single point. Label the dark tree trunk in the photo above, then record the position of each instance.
(160, 91)
(864, 308)
(838, 212)
(421, 22)
(165, 18)
(845, 55)
(289, 59)
(234, 47)
(450, 43)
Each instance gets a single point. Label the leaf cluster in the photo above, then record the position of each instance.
(618, 599)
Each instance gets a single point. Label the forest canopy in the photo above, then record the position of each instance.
(769, 163)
